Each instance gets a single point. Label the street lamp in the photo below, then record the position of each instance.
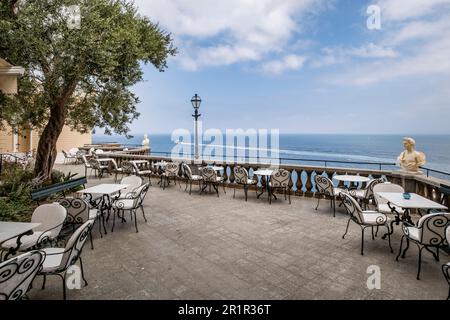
(196, 102)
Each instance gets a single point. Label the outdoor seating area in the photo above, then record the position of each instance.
(193, 246)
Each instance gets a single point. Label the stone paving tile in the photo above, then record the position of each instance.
(204, 247)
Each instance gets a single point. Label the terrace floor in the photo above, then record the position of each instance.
(204, 247)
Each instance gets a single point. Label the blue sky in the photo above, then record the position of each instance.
(301, 66)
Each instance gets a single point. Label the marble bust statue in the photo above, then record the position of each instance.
(411, 160)
(146, 141)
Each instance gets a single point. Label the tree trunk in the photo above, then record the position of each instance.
(46, 152)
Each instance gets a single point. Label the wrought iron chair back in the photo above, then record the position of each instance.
(186, 170)
(172, 168)
(113, 165)
(51, 218)
(280, 178)
(324, 185)
(77, 210)
(17, 274)
(240, 175)
(369, 188)
(353, 207)
(75, 245)
(209, 174)
(128, 168)
(133, 182)
(432, 229)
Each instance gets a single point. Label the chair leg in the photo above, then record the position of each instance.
(82, 272)
(420, 263)
(333, 202)
(143, 213)
(289, 195)
(135, 221)
(346, 229)
(389, 238)
(373, 234)
(92, 242)
(234, 193)
(114, 219)
(246, 191)
(362, 241)
(406, 249)
(318, 202)
(400, 250)
(44, 280)
(190, 188)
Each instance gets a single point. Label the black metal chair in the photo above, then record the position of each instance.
(17, 274)
(326, 189)
(132, 202)
(429, 233)
(446, 267)
(280, 179)
(59, 260)
(190, 178)
(364, 219)
(241, 178)
(211, 179)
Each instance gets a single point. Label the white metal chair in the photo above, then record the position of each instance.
(381, 203)
(78, 212)
(365, 196)
(18, 273)
(114, 169)
(170, 172)
(190, 178)
(133, 183)
(58, 260)
(364, 219)
(143, 172)
(209, 177)
(280, 179)
(87, 164)
(132, 202)
(68, 158)
(326, 189)
(51, 218)
(241, 178)
(429, 233)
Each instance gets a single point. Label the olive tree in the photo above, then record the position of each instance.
(82, 58)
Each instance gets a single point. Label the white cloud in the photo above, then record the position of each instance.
(289, 62)
(339, 55)
(240, 30)
(397, 10)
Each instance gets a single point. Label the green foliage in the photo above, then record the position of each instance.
(15, 188)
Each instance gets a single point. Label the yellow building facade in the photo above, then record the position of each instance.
(24, 139)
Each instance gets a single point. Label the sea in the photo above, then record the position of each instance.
(333, 150)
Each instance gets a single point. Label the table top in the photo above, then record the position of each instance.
(160, 163)
(416, 201)
(264, 172)
(106, 189)
(9, 230)
(104, 159)
(351, 178)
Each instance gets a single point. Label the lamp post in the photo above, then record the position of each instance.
(196, 102)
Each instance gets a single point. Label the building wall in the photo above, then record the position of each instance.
(8, 84)
(67, 140)
(6, 140)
